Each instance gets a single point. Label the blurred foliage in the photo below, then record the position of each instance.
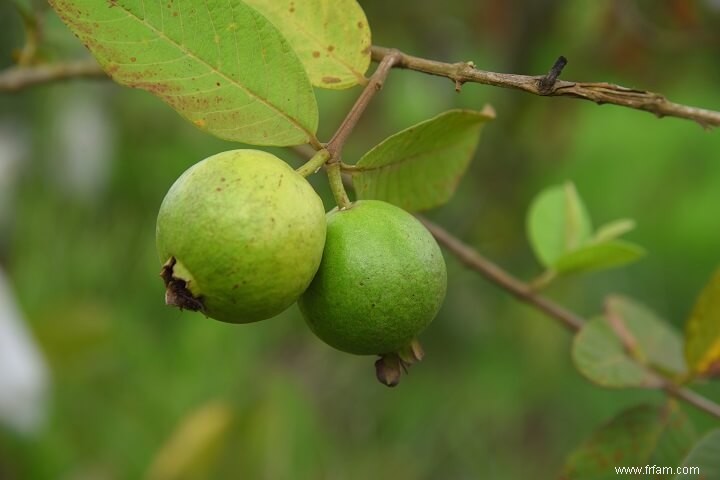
(86, 164)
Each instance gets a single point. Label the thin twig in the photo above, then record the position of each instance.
(598, 92)
(693, 398)
(523, 292)
(17, 78)
(337, 142)
(373, 86)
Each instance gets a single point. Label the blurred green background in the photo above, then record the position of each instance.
(137, 389)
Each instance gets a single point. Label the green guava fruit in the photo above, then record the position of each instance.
(241, 235)
(381, 281)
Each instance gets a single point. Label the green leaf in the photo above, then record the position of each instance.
(616, 350)
(702, 332)
(220, 64)
(331, 37)
(613, 230)
(601, 358)
(638, 437)
(598, 256)
(557, 223)
(419, 168)
(705, 456)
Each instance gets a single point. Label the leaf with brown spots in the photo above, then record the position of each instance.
(639, 436)
(419, 168)
(220, 64)
(331, 37)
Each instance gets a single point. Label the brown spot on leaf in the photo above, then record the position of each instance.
(331, 80)
(331, 48)
(316, 54)
(360, 24)
(199, 122)
(133, 59)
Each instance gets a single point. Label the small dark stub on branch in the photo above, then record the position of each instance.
(176, 292)
(546, 83)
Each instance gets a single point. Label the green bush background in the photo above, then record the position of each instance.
(497, 396)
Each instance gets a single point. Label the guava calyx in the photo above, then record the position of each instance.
(390, 366)
(176, 292)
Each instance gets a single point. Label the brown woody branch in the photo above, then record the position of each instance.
(17, 78)
(337, 142)
(598, 92)
(519, 289)
(523, 292)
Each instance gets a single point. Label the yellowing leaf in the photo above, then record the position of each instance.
(702, 332)
(220, 64)
(331, 37)
(188, 453)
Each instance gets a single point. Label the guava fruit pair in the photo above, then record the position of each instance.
(243, 236)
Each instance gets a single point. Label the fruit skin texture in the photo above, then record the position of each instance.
(382, 280)
(246, 232)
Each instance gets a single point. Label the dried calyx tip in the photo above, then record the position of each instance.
(388, 370)
(390, 366)
(176, 291)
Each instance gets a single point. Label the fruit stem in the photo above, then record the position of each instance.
(314, 164)
(336, 185)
